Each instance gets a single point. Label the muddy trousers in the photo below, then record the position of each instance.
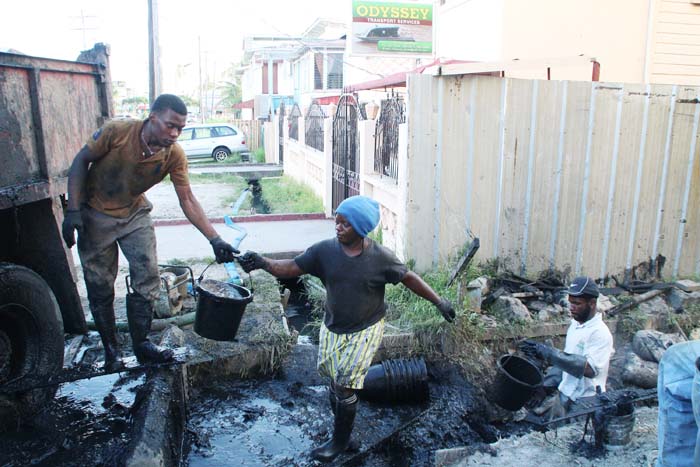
(679, 406)
(98, 249)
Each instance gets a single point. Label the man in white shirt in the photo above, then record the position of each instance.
(585, 360)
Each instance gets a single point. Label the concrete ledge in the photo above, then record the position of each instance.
(159, 414)
(260, 341)
(255, 218)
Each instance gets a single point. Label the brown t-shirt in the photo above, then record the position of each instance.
(116, 182)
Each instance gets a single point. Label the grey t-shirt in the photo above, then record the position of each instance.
(354, 285)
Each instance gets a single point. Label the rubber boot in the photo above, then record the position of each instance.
(354, 445)
(345, 410)
(139, 312)
(104, 322)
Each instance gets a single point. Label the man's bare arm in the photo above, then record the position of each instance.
(193, 211)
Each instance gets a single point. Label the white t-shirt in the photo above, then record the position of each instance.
(593, 340)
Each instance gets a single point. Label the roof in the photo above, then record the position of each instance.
(396, 80)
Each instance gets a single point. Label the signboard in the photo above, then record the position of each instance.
(391, 29)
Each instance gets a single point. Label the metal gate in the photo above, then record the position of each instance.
(346, 150)
(386, 140)
(281, 132)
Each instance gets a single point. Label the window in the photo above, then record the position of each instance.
(318, 71)
(186, 134)
(335, 71)
(224, 131)
(200, 133)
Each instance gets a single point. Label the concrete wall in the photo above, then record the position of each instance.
(595, 177)
(310, 166)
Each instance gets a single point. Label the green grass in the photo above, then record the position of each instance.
(286, 195)
(258, 155)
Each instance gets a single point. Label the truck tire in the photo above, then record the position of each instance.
(31, 339)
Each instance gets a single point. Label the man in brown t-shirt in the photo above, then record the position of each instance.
(107, 206)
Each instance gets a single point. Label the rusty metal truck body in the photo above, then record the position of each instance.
(48, 109)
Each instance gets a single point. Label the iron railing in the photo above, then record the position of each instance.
(314, 126)
(281, 114)
(294, 123)
(386, 140)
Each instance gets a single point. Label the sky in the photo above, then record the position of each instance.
(62, 28)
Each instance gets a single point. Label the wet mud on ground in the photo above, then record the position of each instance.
(277, 421)
(87, 423)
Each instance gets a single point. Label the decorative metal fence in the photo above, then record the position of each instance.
(294, 123)
(386, 141)
(314, 126)
(346, 150)
(281, 114)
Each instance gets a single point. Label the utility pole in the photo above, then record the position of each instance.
(201, 102)
(155, 82)
(83, 27)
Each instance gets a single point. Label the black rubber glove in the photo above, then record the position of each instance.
(446, 310)
(535, 350)
(72, 220)
(223, 251)
(251, 261)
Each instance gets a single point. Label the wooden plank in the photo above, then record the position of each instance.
(455, 176)
(577, 117)
(623, 207)
(690, 252)
(487, 153)
(517, 137)
(544, 174)
(422, 131)
(655, 144)
(677, 168)
(601, 165)
(673, 28)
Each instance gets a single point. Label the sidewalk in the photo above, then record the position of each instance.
(185, 241)
(267, 237)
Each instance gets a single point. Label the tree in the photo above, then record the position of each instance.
(230, 89)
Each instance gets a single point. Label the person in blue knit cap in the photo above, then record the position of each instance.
(355, 270)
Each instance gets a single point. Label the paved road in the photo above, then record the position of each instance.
(244, 170)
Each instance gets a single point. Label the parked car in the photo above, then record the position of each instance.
(215, 140)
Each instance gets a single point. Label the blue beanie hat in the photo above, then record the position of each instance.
(362, 213)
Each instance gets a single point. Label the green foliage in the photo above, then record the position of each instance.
(258, 155)
(629, 323)
(688, 320)
(377, 235)
(286, 195)
(135, 100)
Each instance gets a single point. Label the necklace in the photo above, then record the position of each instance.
(145, 144)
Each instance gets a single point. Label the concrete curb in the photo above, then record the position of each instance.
(241, 219)
(159, 414)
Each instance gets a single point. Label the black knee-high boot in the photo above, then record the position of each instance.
(104, 322)
(345, 410)
(139, 312)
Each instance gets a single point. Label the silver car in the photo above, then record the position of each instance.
(215, 140)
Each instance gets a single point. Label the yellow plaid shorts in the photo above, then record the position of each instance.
(346, 358)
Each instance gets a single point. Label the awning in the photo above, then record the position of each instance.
(396, 80)
(326, 100)
(244, 105)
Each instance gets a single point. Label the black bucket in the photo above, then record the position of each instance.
(218, 315)
(516, 381)
(396, 381)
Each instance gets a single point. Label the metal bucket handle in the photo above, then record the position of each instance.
(201, 276)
